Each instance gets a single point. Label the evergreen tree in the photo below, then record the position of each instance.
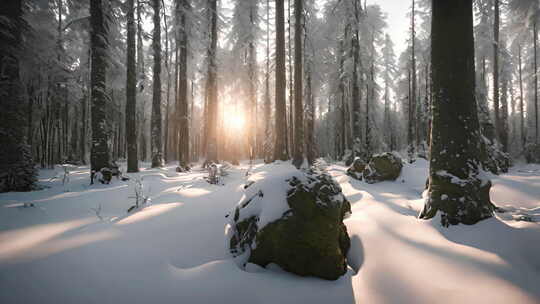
(156, 123)
(298, 157)
(280, 148)
(17, 172)
(131, 92)
(100, 154)
(457, 189)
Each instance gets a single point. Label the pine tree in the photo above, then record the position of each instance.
(183, 8)
(156, 124)
(17, 172)
(280, 148)
(99, 44)
(298, 157)
(211, 88)
(131, 92)
(457, 188)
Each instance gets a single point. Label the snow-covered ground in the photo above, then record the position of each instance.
(173, 250)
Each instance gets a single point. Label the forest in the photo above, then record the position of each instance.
(227, 151)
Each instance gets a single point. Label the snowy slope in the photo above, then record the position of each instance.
(173, 251)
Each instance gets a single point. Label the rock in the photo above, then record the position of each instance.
(357, 168)
(532, 153)
(383, 167)
(307, 237)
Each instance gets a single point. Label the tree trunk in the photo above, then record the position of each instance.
(298, 157)
(156, 127)
(131, 92)
(496, 109)
(521, 107)
(535, 42)
(456, 188)
(99, 43)
(211, 88)
(183, 8)
(280, 148)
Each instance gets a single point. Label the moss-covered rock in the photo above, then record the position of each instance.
(532, 153)
(308, 239)
(357, 168)
(383, 167)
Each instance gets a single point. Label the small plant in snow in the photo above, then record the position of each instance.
(139, 196)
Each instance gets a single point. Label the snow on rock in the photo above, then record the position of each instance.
(293, 219)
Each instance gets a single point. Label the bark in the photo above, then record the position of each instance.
(183, 8)
(267, 102)
(211, 88)
(99, 43)
(496, 105)
(131, 92)
(456, 188)
(521, 107)
(156, 124)
(280, 148)
(298, 157)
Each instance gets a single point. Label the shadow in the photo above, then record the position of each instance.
(383, 194)
(355, 257)
(518, 248)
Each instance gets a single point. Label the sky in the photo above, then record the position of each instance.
(398, 22)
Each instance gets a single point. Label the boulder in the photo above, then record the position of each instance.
(383, 167)
(357, 168)
(295, 221)
(532, 153)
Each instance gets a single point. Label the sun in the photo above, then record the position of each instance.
(235, 120)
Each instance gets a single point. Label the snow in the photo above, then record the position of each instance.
(173, 250)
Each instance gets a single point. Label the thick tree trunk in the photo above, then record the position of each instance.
(17, 172)
(298, 157)
(280, 148)
(156, 124)
(100, 155)
(457, 188)
(131, 92)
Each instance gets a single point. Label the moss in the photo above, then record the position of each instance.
(466, 203)
(310, 239)
(383, 167)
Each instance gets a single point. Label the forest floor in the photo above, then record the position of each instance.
(75, 243)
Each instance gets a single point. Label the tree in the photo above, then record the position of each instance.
(496, 97)
(211, 88)
(388, 76)
(298, 157)
(529, 11)
(183, 7)
(17, 171)
(156, 124)
(280, 148)
(456, 188)
(412, 96)
(131, 92)
(99, 41)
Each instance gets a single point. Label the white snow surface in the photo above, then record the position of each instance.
(173, 250)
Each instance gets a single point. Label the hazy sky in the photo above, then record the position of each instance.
(398, 23)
